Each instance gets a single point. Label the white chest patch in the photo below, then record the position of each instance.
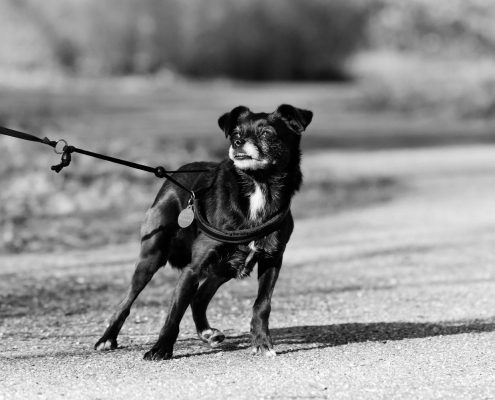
(256, 202)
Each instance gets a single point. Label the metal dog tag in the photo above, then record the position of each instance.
(186, 217)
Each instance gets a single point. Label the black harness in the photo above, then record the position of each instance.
(242, 236)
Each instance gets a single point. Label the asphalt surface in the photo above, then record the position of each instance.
(391, 300)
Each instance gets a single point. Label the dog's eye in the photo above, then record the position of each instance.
(266, 132)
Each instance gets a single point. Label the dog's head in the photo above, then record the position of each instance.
(262, 141)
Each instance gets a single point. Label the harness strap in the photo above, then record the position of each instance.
(243, 235)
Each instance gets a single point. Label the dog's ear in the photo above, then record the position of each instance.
(296, 119)
(228, 120)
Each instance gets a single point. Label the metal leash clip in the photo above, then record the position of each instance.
(62, 147)
(59, 149)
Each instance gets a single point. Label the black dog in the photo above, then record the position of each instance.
(258, 179)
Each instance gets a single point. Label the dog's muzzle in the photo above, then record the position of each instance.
(246, 156)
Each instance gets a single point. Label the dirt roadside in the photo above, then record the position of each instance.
(394, 300)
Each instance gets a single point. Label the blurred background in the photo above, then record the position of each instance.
(146, 80)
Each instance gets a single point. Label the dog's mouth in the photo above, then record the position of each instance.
(249, 158)
(243, 156)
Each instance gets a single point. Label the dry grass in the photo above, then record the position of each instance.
(446, 89)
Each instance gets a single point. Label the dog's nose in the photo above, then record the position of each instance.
(238, 143)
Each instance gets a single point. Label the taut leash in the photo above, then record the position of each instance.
(63, 148)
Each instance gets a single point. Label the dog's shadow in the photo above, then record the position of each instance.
(302, 338)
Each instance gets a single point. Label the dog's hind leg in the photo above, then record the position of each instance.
(199, 304)
(154, 249)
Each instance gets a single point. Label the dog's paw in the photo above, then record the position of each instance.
(106, 344)
(158, 354)
(262, 345)
(263, 351)
(212, 336)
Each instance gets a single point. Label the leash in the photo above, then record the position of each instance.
(63, 148)
(186, 216)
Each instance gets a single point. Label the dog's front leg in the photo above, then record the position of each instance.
(268, 270)
(203, 252)
(183, 293)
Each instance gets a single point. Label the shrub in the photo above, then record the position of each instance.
(279, 39)
(256, 39)
(455, 28)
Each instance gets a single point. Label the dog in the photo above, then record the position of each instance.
(258, 179)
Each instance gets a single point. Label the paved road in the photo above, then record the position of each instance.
(394, 300)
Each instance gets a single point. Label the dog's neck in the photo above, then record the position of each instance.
(268, 192)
